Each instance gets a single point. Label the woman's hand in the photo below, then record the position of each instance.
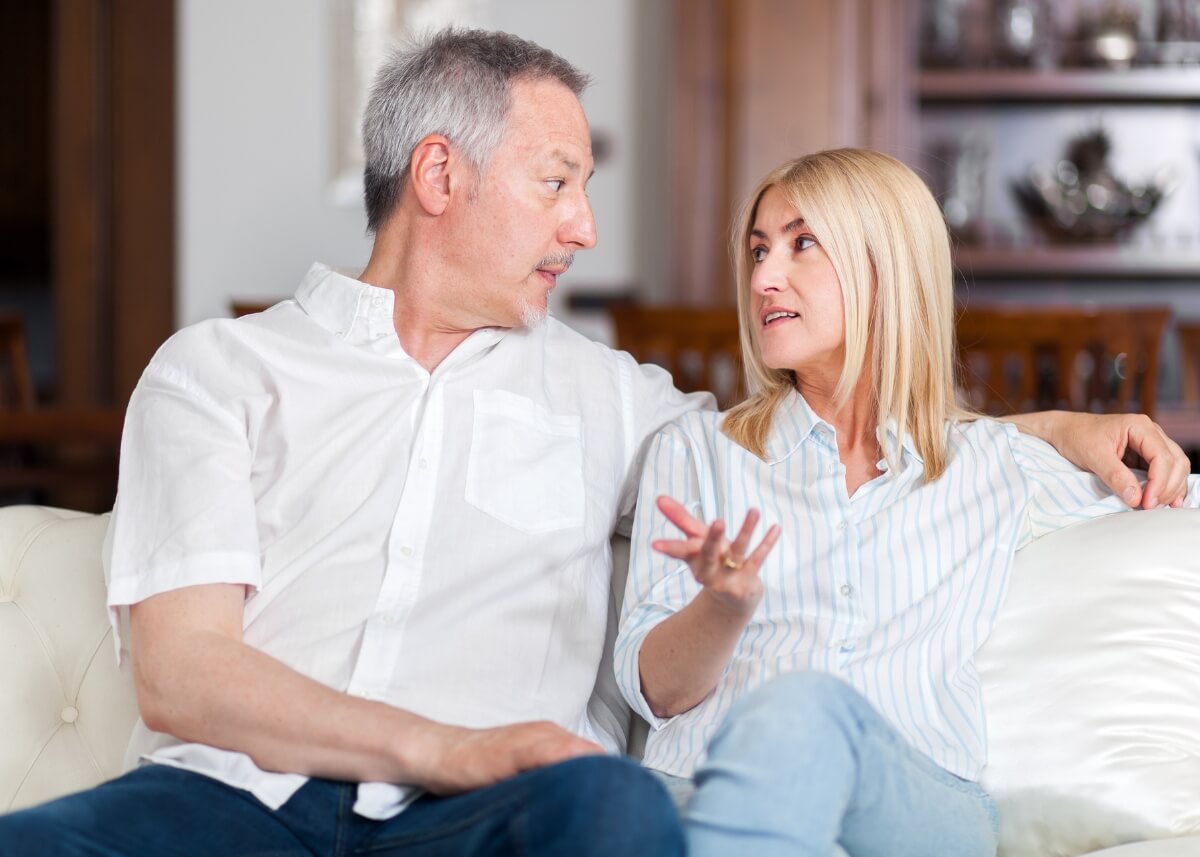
(727, 573)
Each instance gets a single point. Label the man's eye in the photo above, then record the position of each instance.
(758, 253)
(556, 184)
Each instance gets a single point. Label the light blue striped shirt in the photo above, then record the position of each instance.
(892, 590)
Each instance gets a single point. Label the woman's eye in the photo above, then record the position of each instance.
(758, 253)
(805, 241)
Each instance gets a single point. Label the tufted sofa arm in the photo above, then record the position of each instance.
(66, 711)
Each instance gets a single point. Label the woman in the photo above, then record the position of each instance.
(823, 695)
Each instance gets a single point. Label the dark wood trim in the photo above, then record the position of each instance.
(113, 171)
(143, 205)
(79, 145)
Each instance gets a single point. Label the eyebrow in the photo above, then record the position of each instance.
(792, 226)
(572, 165)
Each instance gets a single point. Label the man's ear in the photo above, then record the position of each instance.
(429, 175)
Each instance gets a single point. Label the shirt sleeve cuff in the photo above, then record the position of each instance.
(232, 568)
(627, 655)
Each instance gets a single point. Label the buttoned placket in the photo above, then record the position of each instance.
(846, 556)
(380, 653)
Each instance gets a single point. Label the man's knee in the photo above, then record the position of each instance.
(616, 796)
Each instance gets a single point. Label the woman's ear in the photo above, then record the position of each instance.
(429, 174)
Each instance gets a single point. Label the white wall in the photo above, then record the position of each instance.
(256, 136)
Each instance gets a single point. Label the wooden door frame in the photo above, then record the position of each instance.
(113, 178)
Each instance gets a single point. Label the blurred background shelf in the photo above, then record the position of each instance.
(1140, 85)
(1083, 262)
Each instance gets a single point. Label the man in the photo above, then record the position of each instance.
(362, 538)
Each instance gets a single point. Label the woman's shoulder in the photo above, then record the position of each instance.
(980, 433)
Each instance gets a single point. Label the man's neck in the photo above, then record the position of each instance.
(428, 332)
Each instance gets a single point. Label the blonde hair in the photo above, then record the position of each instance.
(885, 236)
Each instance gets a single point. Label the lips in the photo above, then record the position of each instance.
(773, 315)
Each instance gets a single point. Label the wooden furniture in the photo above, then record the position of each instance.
(64, 456)
(16, 379)
(699, 347)
(1023, 358)
(247, 307)
(1189, 362)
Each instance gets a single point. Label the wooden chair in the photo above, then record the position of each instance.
(1022, 358)
(1189, 362)
(50, 455)
(699, 347)
(16, 379)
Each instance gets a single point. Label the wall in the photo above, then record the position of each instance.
(256, 139)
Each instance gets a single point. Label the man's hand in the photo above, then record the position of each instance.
(1099, 442)
(464, 759)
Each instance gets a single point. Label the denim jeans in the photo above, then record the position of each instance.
(591, 806)
(804, 766)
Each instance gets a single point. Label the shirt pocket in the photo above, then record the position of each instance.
(526, 464)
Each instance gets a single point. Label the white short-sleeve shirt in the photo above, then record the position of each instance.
(438, 541)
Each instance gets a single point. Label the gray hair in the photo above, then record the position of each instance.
(457, 83)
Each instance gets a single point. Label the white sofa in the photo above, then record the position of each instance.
(1091, 681)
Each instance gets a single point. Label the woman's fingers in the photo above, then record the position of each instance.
(678, 515)
(756, 559)
(711, 552)
(737, 551)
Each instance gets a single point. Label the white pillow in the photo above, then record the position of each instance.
(1091, 685)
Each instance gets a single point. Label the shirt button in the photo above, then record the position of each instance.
(841, 525)
(423, 464)
(70, 714)
(406, 551)
(847, 589)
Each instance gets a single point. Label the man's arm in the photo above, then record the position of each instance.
(197, 680)
(1098, 443)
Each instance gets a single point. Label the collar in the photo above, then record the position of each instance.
(796, 422)
(359, 313)
(364, 315)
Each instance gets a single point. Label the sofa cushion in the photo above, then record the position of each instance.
(66, 710)
(1091, 685)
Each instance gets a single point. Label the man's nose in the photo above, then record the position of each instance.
(580, 227)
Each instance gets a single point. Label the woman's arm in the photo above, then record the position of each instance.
(1098, 442)
(683, 657)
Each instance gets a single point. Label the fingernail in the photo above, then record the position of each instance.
(1130, 495)
(1151, 502)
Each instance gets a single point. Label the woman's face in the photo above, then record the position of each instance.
(797, 300)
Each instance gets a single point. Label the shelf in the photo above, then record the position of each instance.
(1163, 84)
(1136, 262)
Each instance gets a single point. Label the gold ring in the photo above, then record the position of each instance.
(731, 563)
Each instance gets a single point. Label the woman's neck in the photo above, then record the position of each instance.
(855, 425)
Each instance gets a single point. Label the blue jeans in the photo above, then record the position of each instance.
(804, 766)
(590, 806)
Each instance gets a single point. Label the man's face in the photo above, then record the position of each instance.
(530, 212)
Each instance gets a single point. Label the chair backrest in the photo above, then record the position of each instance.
(699, 347)
(1021, 358)
(1189, 361)
(16, 380)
